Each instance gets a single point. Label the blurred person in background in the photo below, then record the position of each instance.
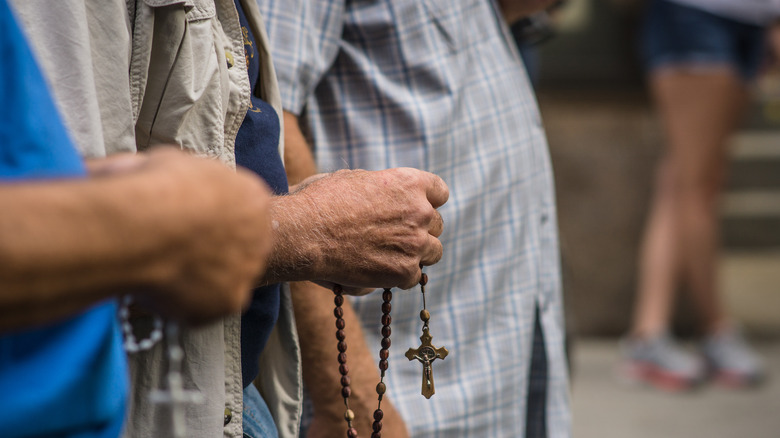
(701, 56)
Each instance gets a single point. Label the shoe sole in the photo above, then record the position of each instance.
(734, 380)
(657, 377)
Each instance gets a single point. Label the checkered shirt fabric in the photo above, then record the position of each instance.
(438, 85)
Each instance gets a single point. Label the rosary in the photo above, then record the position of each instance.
(425, 353)
(175, 395)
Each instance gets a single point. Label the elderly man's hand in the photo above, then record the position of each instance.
(359, 229)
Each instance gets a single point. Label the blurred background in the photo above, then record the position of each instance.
(605, 140)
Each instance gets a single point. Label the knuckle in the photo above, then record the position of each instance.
(438, 252)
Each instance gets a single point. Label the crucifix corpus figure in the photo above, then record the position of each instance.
(427, 353)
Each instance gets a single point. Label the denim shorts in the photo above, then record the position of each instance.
(678, 35)
(257, 419)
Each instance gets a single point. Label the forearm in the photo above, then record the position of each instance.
(514, 10)
(314, 316)
(290, 261)
(58, 245)
(299, 161)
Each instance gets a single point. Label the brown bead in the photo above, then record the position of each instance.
(346, 392)
(383, 364)
(425, 315)
(386, 319)
(338, 312)
(340, 324)
(386, 342)
(387, 295)
(380, 388)
(383, 354)
(376, 435)
(352, 433)
(340, 335)
(386, 307)
(342, 346)
(349, 415)
(377, 426)
(386, 331)
(343, 369)
(424, 279)
(338, 300)
(342, 357)
(378, 415)
(337, 289)
(345, 380)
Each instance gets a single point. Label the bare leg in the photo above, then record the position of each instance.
(699, 111)
(658, 265)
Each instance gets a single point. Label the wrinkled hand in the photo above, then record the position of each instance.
(363, 229)
(221, 234)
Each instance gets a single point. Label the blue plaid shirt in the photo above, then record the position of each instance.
(438, 85)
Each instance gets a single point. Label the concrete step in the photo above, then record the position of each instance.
(750, 285)
(750, 210)
(755, 160)
(751, 219)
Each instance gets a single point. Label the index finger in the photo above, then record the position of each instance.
(436, 190)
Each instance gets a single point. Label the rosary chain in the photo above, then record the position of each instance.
(131, 344)
(384, 354)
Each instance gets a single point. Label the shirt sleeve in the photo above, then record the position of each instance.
(305, 38)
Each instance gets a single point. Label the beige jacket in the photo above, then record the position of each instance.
(131, 74)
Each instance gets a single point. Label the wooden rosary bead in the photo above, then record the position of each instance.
(424, 279)
(384, 354)
(337, 289)
(425, 315)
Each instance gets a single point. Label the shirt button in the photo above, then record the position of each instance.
(230, 61)
(228, 416)
(545, 218)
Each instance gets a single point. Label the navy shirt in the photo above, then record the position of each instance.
(257, 149)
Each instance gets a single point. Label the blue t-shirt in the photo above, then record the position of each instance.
(257, 149)
(69, 378)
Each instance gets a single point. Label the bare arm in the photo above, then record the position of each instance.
(314, 317)
(514, 10)
(164, 229)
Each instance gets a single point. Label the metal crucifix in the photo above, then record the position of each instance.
(427, 353)
(176, 396)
